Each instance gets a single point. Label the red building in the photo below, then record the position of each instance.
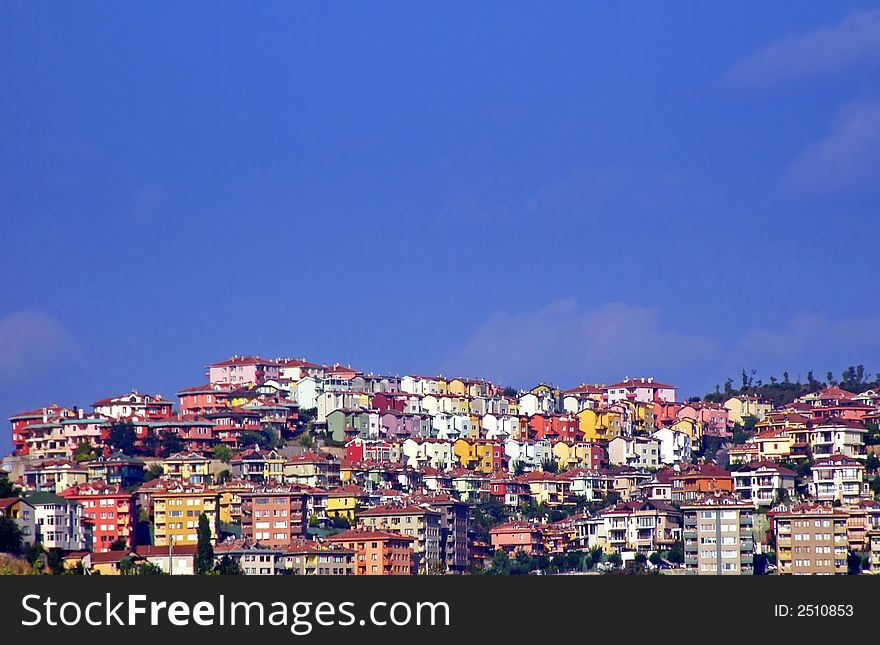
(554, 428)
(274, 516)
(203, 399)
(111, 511)
(21, 421)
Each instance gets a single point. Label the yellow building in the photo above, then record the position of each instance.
(739, 407)
(457, 386)
(176, 511)
(229, 500)
(691, 427)
(343, 502)
(188, 468)
(466, 452)
(599, 425)
(573, 455)
(773, 444)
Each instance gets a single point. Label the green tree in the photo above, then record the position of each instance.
(10, 536)
(223, 453)
(7, 488)
(122, 437)
(676, 553)
(500, 563)
(204, 560)
(228, 567)
(83, 452)
(119, 544)
(149, 569)
(170, 442)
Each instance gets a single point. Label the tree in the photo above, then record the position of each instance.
(519, 468)
(7, 488)
(615, 559)
(655, 559)
(500, 563)
(149, 569)
(223, 453)
(170, 442)
(676, 553)
(204, 560)
(122, 437)
(83, 452)
(119, 544)
(228, 567)
(10, 536)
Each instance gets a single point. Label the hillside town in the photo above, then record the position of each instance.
(292, 467)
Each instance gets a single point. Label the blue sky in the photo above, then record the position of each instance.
(573, 192)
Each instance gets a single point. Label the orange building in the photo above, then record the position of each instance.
(695, 481)
(516, 535)
(377, 552)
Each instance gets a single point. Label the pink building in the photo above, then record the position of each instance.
(239, 370)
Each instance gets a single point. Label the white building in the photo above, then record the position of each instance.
(759, 482)
(675, 446)
(639, 452)
(59, 523)
(839, 478)
(646, 390)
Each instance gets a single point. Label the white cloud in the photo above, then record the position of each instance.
(852, 42)
(847, 158)
(31, 342)
(566, 343)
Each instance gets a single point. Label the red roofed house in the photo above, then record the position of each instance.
(646, 390)
(21, 421)
(516, 535)
(243, 369)
(134, 404)
(378, 552)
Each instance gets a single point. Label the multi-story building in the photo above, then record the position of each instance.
(313, 469)
(134, 404)
(188, 468)
(241, 370)
(54, 475)
(377, 552)
(519, 535)
(694, 481)
(454, 526)
(763, 483)
(112, 512)
(259, 466)
(810, 539)
(176, 510)
(639, 452)
(418, 521)
(717, 536)
(640, 525)
(59, 523)
(838, 436)
(311, 559)
(274, 516)
(838, 478)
